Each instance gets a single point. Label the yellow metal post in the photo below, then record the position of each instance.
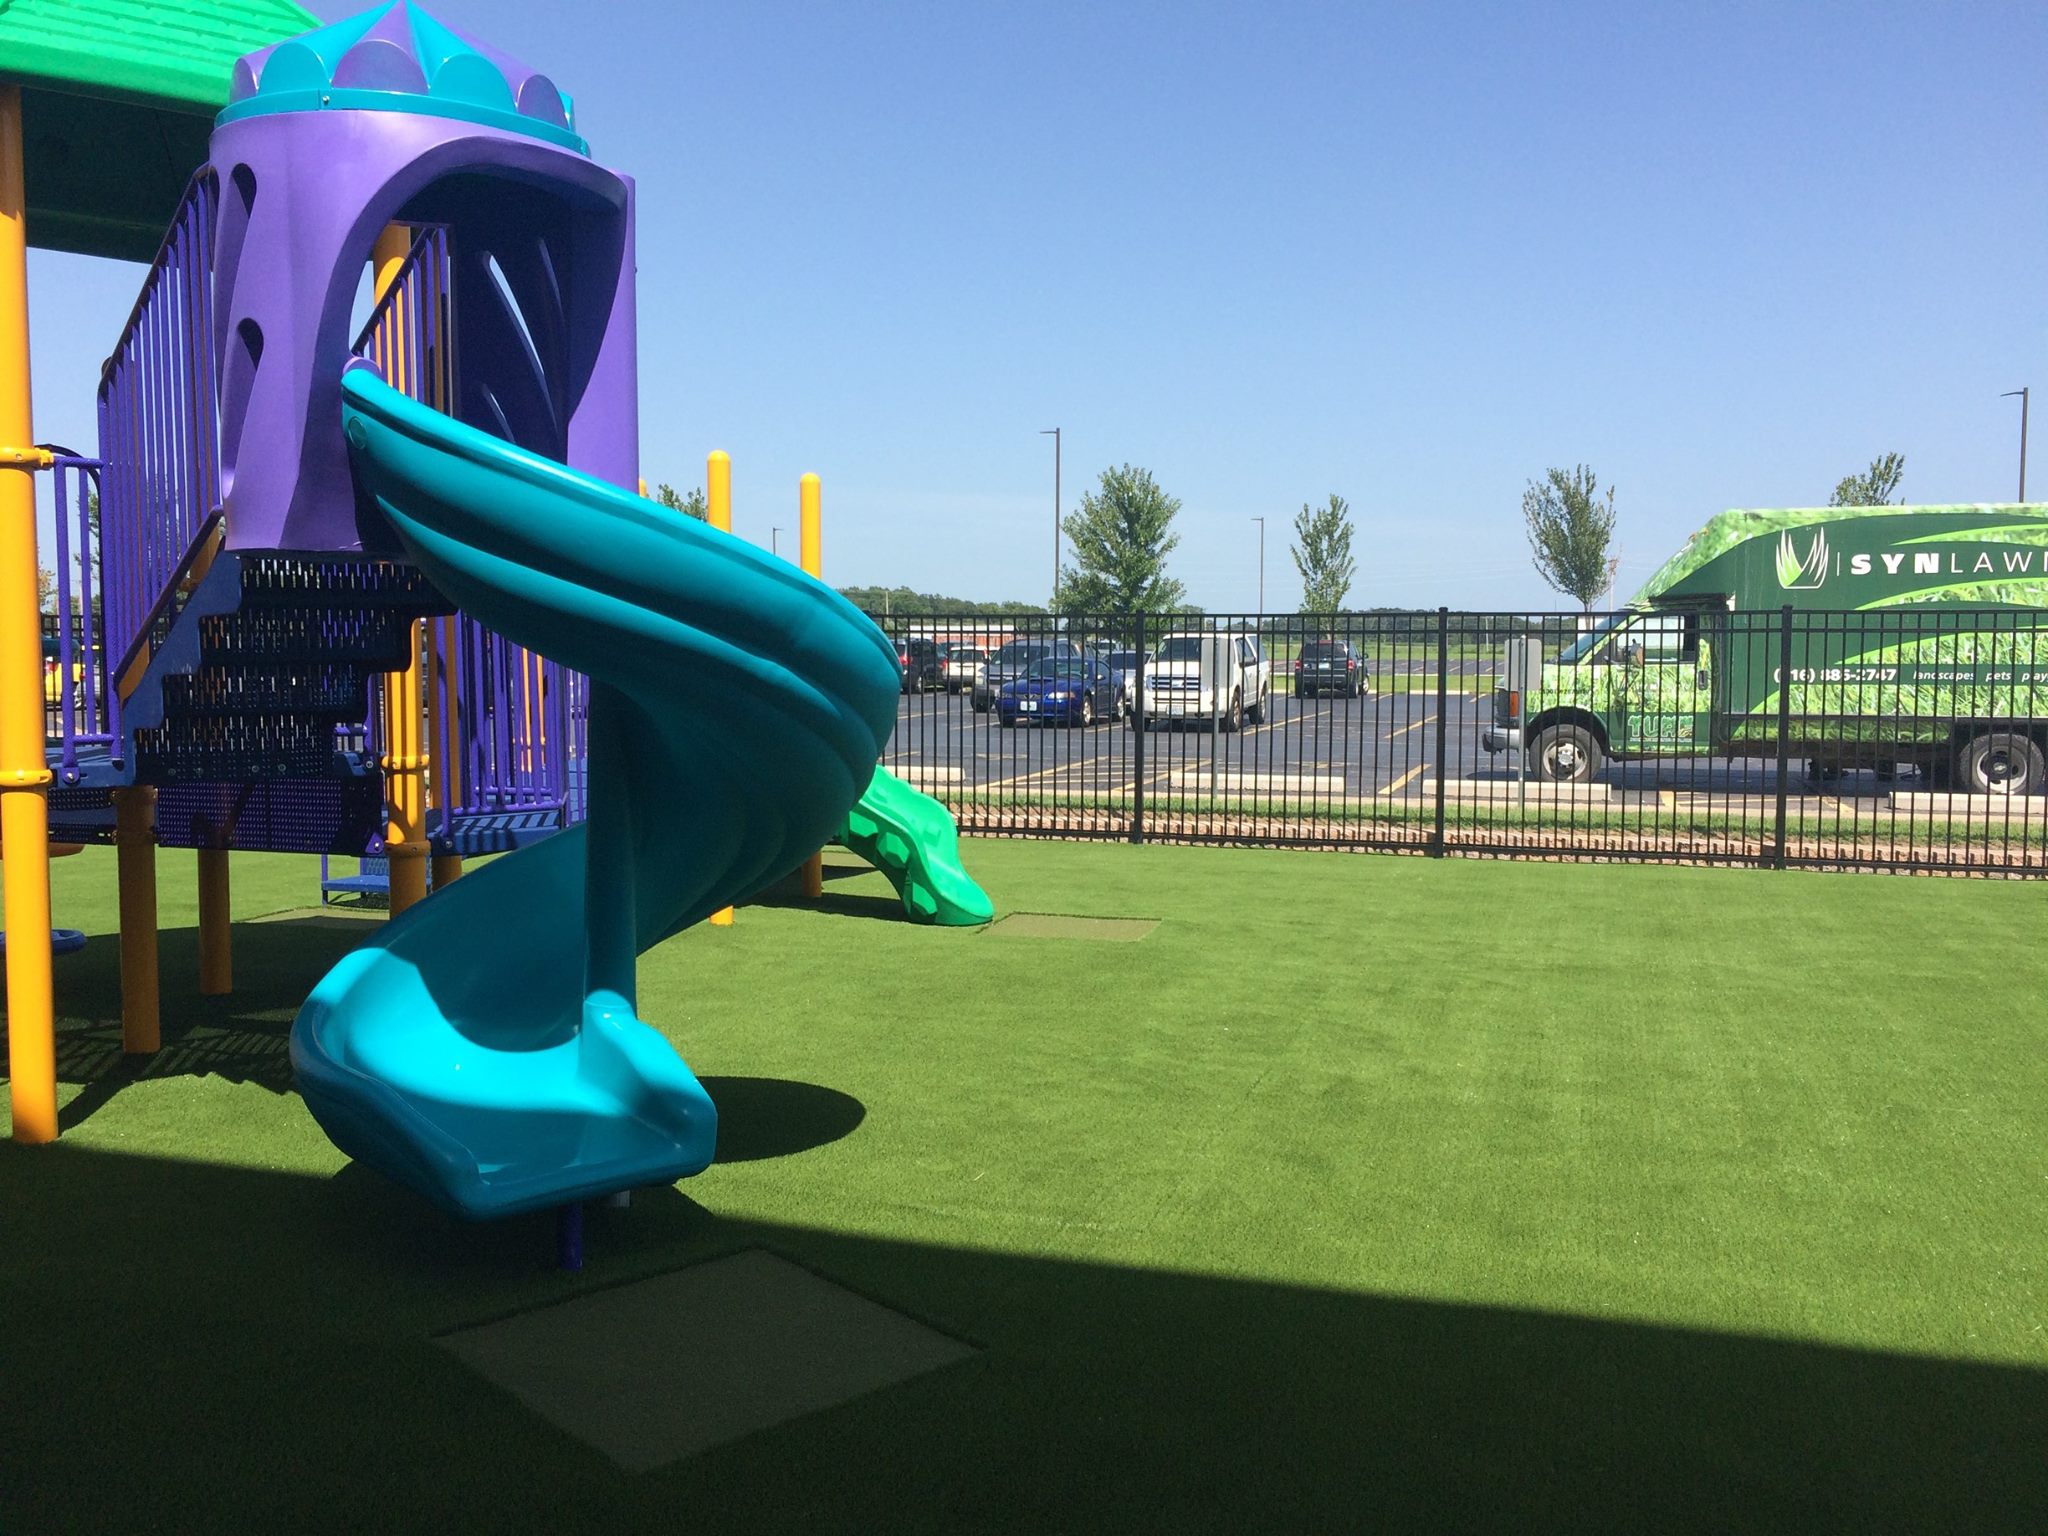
(718, 512)
(446, 780)
(811, 544)
(405, 753)
(24, 771)
(216, 927)
(135, 862)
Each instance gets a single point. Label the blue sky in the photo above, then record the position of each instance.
(1724, 254)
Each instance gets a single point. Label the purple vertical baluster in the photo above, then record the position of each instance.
(69, 713)
(94, 635)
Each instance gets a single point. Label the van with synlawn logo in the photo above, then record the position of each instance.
(1918, 640)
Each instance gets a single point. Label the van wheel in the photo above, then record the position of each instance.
(1233, 719)
(2001, 763)
(1257, 713)
(1568, 754)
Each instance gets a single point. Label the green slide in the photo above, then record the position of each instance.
(910, 837)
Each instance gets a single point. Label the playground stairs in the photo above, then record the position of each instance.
(242, 697)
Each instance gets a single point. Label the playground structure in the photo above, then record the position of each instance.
(325, 560)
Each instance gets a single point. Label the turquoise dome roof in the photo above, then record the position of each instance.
(397, 58)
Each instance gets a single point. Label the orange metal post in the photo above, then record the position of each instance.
(135, 860)
(216, 931)
(24, 772)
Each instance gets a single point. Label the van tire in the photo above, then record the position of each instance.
(1568, 754)
(1234, 720)
(1257, 713)
(2001, 763)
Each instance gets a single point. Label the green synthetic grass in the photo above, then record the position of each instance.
(1363, 1192)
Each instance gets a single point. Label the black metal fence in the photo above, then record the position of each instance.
(1902, 738)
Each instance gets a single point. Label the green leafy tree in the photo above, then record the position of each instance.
(1569, 531)
(902, 602)
(692, 505)
(1322, 554)
(1121, 535)
(1875, 487)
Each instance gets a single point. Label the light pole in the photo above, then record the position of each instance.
(1262, 570)
(2022, 393)
(1054, 434)
(774, 541)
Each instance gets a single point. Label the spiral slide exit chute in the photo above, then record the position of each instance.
(484, 1048)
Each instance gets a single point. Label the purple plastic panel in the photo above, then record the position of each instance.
(303, 197)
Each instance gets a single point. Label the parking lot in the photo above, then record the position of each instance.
(1384, 746)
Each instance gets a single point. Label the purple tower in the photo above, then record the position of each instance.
(391, 117)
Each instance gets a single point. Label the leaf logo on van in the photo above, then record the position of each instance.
(1798, 573)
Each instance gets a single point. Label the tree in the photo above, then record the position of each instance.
(1569, 531)
(1121, 537)
(902, 602)
(1322, 554)
(46, 590)
(692, 505)
(1874, 487)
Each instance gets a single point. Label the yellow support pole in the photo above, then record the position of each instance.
(24, 771)
(216, 927)
(405, 753)
(810, 521)
(447, 778)
(135, 861)
(718, 512)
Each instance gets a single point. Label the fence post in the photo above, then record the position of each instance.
(1443, 667)
(1137, 718)
(1784, 721)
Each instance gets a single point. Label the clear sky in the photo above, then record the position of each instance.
(1725, 254)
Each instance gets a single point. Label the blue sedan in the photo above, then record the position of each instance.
(1073, 690)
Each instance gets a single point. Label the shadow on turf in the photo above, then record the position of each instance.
(245, 1038)
(764, 1117)
(184, 1313)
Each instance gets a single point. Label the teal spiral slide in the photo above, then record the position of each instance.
(484, 1049)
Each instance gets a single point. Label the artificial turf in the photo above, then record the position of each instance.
(1363, 1192)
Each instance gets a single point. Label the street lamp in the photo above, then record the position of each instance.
(2022, 393)
(1262, 570)
(774, 541)
(1054, 434)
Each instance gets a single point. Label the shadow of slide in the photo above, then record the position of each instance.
(184, 1330)
(763, 1117)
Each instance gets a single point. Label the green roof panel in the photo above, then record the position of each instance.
(118, 100)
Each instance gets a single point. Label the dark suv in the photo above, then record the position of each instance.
(1011, 661)
(923, 666)
(1330, 666)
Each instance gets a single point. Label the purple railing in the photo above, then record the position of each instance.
(75, 679)
(509, 724)
(159, 423)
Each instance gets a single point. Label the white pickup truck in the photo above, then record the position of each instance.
(1207, 676)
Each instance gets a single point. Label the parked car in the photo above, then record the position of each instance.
(922, 665)
(1068, 690)
(1125, 665)
(1207, 676)
(1011, 661)
(963, 666)
(1330, 666)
